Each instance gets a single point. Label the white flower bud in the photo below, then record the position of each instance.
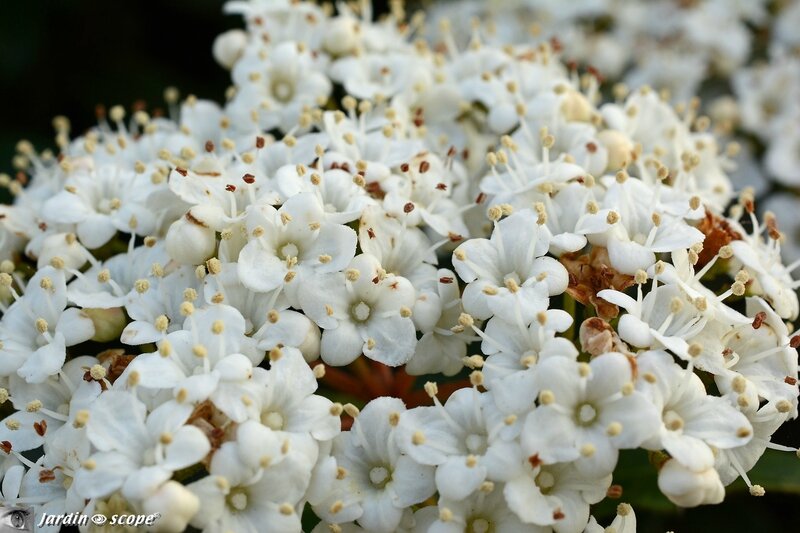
(189, 241)
(310, 345)
(341, 36)
(228, 47)
(619, 148)
(427, 312)
(576, 107)
(690, 489)
(175, 503)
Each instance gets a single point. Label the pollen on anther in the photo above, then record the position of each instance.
(546, 397)
(199, 350)
(98, 372)
(351, 410)
(431, 388)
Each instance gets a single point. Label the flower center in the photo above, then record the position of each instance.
(673, 421)
(273, 420)
(379, 476)
(289, 250)
(586, 414)
(237, 499)
(360, 312)
(545, 481)
(479, 525)
(107, 205)
(476, 443)
(282, 90)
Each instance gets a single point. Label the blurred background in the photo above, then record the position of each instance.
(65, 58)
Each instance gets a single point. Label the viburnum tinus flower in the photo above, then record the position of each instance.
(362, 309)
(509, 274)
(222, 312)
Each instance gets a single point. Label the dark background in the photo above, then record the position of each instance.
(65, 57)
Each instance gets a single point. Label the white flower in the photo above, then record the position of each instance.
(289, 328)
(762, 259)
(51, 481)
(137, 452)
(571, 215)
(384, 480)
(342, 198)
(763, 355)
(646, 225)
(666, 317)
(362, 310)
(439, 349)
(423, 191)
(508, 275)
(356, 144)
(286, 399)
(485, 510)
(330, 496)
(519, 184)
(468, 439)
(587, 413)
(288, 246)
(211, 358)
(514, 349)
(692, 422)
(161, 296)
(236, 498)
(43, 408)
(402, 250)
(556, 495)
(108, 284)
(380, 75)
(767, 92)
(733, 463)
(101, 201)
(272, 91)
(37, 328)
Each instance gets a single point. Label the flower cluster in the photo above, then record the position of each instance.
(219, 316)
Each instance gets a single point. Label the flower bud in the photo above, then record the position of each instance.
(341, 36)
(576, 107)
(228, 47)
(108, 323)
(427, 312)
(175, 503)
(189, 241)
(690, 489)
(619, 148)
(310, 346)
